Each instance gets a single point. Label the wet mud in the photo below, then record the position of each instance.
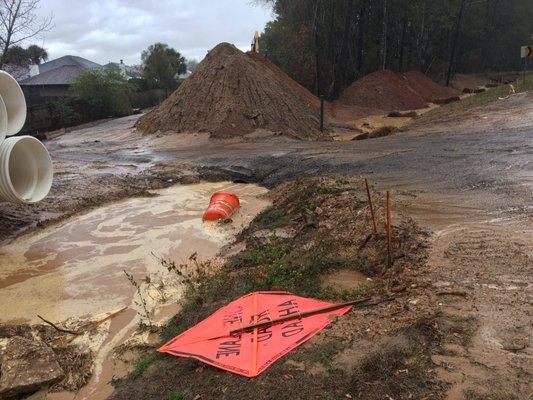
(466, 178)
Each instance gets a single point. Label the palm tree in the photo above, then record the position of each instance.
(36, 54)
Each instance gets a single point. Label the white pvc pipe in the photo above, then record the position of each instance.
(14, 102)
(3, 120)
(25, 170)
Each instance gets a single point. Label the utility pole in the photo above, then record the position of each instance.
(455, 41)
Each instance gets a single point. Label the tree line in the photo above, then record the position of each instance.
(327, 44)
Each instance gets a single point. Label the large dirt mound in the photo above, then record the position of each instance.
(383, 90)
(429, 90)
(231, 94)
(310, 97)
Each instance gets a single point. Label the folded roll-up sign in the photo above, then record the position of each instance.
(249, 334)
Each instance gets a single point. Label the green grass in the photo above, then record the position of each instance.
(270, 218)
(261, 254)
(481, 99)
(327, 351)
(178, 395)
(143, 363)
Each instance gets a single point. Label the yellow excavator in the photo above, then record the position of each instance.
(255, 43)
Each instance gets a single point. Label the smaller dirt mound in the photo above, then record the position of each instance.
(383, 90)
(429, 90)
(231, 95)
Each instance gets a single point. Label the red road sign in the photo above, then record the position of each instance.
(250, 353)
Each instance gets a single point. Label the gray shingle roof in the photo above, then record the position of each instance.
(67, 61)
(58, 76)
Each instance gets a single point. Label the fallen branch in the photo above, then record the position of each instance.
(361, 303)
(57, 328)
(93, 324)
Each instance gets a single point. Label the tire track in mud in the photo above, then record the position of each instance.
(491, 265)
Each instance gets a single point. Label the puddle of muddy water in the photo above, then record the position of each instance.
(75, 269)
(345, 279)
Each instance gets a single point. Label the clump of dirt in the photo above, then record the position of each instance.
(231, 95)
(429, 90)
(382, 90)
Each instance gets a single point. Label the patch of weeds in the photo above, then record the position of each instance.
(283, 276)
(326, 351)
(171, 329)
(299, 274)
(178, 395)
(270, 218)
(116, 382)
(146, 314)
(261, 253)
(143, 363)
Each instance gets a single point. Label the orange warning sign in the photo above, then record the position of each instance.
(250, 353)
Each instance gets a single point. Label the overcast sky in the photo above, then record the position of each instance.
(110, 30)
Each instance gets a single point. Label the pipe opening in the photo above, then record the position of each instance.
(30, 170)
(14, 101)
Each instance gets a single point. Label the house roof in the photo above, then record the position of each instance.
(58, 76)
(16, 71)
(67, 61)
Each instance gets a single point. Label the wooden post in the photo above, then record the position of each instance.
(321, 310)
(371, 208)
(524, 74)
(389, 229)
(321, 113)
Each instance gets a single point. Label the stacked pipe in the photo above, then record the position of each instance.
(25, 164)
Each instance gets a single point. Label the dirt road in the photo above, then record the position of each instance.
(489, 165)
(467, 178)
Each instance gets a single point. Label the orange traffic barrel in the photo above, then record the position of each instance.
(221, 206)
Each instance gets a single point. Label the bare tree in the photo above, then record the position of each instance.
(18, 22)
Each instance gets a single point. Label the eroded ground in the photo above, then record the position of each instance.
(467, 178)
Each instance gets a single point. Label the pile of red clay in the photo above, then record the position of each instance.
(383, 90)
(429, 90)
(231, 94)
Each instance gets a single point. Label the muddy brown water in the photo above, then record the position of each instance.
(75, 269)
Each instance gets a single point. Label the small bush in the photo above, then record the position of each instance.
(104, 91)
(63, 112)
